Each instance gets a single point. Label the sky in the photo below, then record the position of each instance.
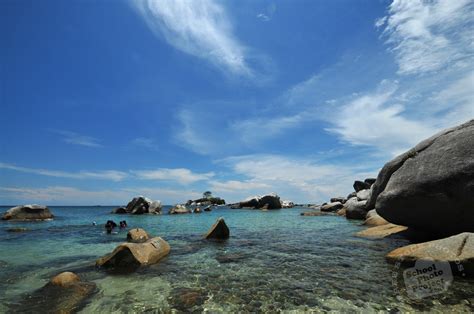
(101, 101)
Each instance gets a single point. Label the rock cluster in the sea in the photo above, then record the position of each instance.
(28, 212)
(267, 201)
(140, 205)
(206, 201)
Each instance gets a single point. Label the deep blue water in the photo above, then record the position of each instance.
(274, 260)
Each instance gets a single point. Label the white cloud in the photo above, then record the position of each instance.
(298, 179)
(112, 175)
(375, 119)
(180, 175)
(427, 36)
(65, 195)
(200, 28)
(78, 139)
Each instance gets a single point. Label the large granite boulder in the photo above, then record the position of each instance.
(458, 250)
(65, 293)
(431, 186)
(331, 207)
(363, 195)
(137, 235)
(268, 201)
(133, 255)
(28, 212)
(219, 230)
(355, 209)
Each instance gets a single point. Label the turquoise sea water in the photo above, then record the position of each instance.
(273, 261)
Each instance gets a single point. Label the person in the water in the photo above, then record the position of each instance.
(123, 224)
(109, 226)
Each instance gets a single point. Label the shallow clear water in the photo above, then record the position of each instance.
(274, 260)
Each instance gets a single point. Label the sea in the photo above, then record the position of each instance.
(274, 261)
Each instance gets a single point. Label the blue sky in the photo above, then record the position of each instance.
(104, 100)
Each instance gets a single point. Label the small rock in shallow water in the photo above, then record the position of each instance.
(219, 230)
(17, 229)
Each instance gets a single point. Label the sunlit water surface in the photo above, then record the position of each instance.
(273, 261)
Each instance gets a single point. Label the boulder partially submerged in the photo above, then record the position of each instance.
(140, 205)
(132, 255)
(431, 186)
(268, 201)
(457, 250)
(219, 230)
(137, 235)
(28, 212)
(331, 207)
(65, 293)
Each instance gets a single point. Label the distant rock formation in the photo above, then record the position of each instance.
(140, 205)
(431, 186)
(267, 201)
(28, 212)
(179, 209)
(206, 201)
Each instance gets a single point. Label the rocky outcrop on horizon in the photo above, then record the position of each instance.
(267, 201)
(28, 212)
(140, 205)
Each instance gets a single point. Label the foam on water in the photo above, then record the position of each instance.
(275, 260)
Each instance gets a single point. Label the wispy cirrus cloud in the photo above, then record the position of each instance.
(145, 142)
(112, 175)
(427, 36)
(78, 139)
(200, 28)
(180, 175)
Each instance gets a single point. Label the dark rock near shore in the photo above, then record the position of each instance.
(431, 186)
(370, 181)
(119, 210)
(331, 207)
(340, 199)
(219, 230)
(360, 185)
(208, 208)
(316, 213)
(28, 212)
(355, 209)
(133, 255)
(17, 229)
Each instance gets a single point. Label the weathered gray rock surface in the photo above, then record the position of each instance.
(431, 186)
